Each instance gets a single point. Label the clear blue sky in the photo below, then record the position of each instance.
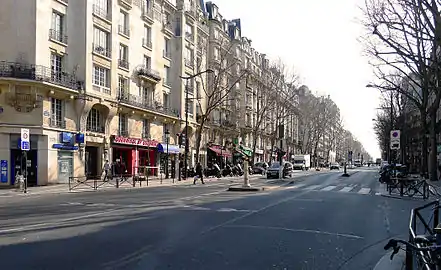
(318, 38)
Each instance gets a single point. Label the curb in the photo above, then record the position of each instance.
(245, 189)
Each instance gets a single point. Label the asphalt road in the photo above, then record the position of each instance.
(320, 221)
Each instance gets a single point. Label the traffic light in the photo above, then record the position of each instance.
(181, 139)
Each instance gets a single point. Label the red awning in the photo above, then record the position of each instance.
(220, 152)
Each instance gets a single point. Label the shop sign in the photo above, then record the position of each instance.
(133, 141)
(4, 171)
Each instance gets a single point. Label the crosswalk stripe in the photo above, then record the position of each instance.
(313, 187)
(346, 189)
(364, 191)
(328, 188)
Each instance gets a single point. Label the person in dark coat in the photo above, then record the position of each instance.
(199, 173)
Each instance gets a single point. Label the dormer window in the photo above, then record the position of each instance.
(214, 11)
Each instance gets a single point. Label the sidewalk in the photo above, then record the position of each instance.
(64, 188)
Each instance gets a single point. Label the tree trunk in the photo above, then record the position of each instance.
(433, 149)
(199, 139)
(424, 145)
(253, 154)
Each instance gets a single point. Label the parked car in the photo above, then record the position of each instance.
(273, 170)
(260, 167)
(334, 166)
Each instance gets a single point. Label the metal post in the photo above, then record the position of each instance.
(186, 136)
(166, 163)
(391, 126)
(26, 173)
(281, 160)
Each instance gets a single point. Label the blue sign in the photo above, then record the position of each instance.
(66, 137)
(64, 146)
(3, 171)
(79, 138)
(26, 146)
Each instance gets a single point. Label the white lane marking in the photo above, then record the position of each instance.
(364, 191)
(27, 227)
(346, 189)
(313, 187)
(296, 230)
(296, 186)
(328, 188)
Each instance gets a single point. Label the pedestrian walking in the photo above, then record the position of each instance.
(199, 174)
(107, 171)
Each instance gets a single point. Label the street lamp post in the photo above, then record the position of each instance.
(186, 118)
(167, 138)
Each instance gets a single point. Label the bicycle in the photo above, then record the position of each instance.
(429, 255)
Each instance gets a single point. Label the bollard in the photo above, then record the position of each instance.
(246, 181)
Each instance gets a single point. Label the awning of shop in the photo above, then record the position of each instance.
(172, 148)
(247, 151)
(220, 151)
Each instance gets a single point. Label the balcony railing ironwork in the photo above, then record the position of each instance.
(123, 132)
(106, 52)
(39, 73)
(97, 10)
(123, 29)
(146, 104)
(147, 42)
(148, 72)
(123, 63)
(97, 129)
(57, 36)
(147, 13)
(57, 123)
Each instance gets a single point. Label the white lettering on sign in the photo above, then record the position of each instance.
(133, 141)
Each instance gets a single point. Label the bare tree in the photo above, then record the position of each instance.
(219, 89)
(284, 95)
(268, 88)
(403, 37)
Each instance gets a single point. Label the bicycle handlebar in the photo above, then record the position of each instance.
(393, 243)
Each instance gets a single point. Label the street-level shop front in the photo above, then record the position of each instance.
(169, 156)
(52, 158)
(133, 153)
(218, 154)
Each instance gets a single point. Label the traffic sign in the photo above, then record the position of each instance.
(24, 142)
(395, 135)
(395, 145)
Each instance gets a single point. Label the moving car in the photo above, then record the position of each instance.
(334, 166)
(273, 170)
(260, 167)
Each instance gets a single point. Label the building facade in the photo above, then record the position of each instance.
(116, 80)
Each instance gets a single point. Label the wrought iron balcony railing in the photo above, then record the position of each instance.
(147, 42)
(106, 52)
(123, 63)
(57, 123)
(39, 73)
(122, 29)
(97, 10)
(97, 129)
(123, 133)
(148, 72)
(57, 36)
(146, 104)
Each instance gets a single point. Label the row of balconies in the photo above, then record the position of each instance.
(146, 104)
(39, 73)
